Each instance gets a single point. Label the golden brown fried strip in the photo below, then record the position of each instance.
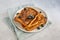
(35, 23)
(38, 19)
(32, 21)
(44, 20)
(41, 20)
(33, 27)
(19, 20)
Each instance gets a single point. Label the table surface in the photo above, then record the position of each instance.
(51, 7)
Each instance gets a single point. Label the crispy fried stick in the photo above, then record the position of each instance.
(34, 26)
(19, 21)
(32, 21)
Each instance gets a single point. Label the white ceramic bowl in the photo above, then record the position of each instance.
(35, 30)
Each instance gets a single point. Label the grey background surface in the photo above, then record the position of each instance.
(51, 7)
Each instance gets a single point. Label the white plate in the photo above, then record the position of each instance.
(35, 30)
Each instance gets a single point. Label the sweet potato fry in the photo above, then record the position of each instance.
(33, 27)
(32, 21)
(20, 21)
(40, 20)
